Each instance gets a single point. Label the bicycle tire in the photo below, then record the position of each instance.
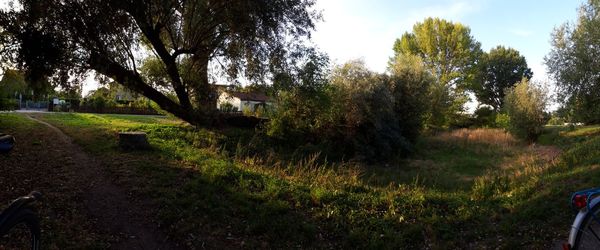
(30, 219)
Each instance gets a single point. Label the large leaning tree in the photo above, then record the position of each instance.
(189, 41)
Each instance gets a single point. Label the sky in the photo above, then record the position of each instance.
(367, 29)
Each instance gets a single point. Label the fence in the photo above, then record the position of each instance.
(117, 110)
(34, 105)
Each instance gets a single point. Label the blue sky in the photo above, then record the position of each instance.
(368, 28)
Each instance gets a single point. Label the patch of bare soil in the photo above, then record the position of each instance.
(82, 208)
(112, 207)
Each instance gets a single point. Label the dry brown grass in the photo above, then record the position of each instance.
(476, 137)
(309, 170)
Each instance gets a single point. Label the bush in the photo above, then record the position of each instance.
(485, 117)
(556, 121)
(410, 84)
(227, 107)
(8, 104)
(524, 105)
(502, 121)
(357, 113)
(303, 102)
(364, 112)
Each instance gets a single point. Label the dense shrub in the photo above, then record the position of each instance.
(484, 117)
(502, 121)
(227, 107)
(363, 112)
(8, 104)
(410, 84)
(303, 102)
(556, 121)
(525, 104)
(355, 112)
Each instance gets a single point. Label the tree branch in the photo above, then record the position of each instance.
(134, 81)
(152, 33)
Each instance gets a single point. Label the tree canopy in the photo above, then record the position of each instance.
(574, 62)
(447, 48)
(12, 82)
(191, 42)
(501, 68)
(451, 54)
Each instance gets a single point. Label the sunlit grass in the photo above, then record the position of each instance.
(478, 137)
(461, 186)
(12, 121)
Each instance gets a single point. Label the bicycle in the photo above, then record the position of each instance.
(20, 212)
(585, 231)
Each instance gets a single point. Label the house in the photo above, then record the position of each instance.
(232, 101)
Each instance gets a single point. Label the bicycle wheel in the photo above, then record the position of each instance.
(22, 225)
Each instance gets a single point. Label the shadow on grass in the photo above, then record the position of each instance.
(209, 193)
(206, 198)
(443, 166)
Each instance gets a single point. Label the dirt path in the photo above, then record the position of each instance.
(112, 207)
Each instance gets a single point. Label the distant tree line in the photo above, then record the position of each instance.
(346, 110)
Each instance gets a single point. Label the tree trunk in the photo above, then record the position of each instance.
(134, 81)
(133, 141)
(205, 95)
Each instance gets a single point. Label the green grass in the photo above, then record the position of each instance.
(10, 122)
(451, 161)
(479, 188)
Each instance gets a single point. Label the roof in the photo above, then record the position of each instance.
(252, 96)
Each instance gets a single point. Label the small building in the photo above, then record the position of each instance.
(231, 101)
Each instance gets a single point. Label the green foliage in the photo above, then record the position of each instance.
(450, 53)
(115, 95)
(502, 121)
(500, 69)
(153, 71)
(303, 101)
(573, 62)
(447, 48)
(99, 99)
(363, 112)
(484, 116)
(227, 107)
(410, 84)
(8, 104)
(12, 82)
(250, 39)
(556, 121)
(359, 113)
(525, 104)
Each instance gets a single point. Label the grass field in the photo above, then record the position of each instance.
(462, 189)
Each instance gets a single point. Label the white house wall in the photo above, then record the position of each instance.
(237, 103)
(234, 101)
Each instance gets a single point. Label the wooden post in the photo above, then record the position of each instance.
(133, 141)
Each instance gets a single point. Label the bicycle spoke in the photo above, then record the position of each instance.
(589, 237)
(594, 233)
